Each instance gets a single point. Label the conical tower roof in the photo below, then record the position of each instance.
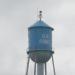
(40, 23)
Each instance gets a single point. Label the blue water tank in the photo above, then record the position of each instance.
(40, 42)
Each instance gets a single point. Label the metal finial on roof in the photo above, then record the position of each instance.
(40, 14)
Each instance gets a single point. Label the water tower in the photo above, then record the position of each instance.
(40, 46)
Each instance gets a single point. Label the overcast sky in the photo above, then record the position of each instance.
(17, 15)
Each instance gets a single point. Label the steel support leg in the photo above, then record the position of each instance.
(53, 65)
(27, 66)
(45, 69)
(35, 68)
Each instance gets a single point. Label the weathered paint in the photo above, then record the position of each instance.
(40, 40)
